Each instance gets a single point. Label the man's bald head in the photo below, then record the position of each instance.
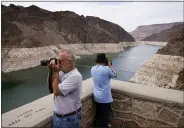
(68, 54)
(66, 60)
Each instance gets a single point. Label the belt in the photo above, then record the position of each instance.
(69, 114)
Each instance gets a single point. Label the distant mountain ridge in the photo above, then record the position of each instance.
(175, 45)
(142, 32)
(165, 35)
(34, 27)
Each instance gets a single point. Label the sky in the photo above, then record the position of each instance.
(128, 15)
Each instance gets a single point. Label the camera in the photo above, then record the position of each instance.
(46, 62)
(106, 62)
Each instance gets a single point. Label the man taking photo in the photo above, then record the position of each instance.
(66, 83)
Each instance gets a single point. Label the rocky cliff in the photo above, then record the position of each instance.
(34, 27)
(166, 68)
(142, 32)
(161, 70)
(175, 45)
(165, 35)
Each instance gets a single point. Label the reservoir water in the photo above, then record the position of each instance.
(24, 86)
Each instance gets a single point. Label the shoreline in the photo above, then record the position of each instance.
(156, 43)
(23, 58)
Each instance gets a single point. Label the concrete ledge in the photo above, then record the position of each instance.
(149, 92)
(39, 112)
(29, 115)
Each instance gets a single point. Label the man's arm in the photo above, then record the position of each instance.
(54, 77)
(113, 71)
(55, 82)
(114, 75)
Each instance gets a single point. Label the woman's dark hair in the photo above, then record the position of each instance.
(101, 58)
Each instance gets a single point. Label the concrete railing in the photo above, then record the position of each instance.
(39, 112)
(134, 106)
(137, 105)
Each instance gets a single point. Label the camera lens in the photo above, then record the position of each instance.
(44, 62)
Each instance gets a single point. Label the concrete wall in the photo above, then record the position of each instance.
(134, 105)
(148, 107)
